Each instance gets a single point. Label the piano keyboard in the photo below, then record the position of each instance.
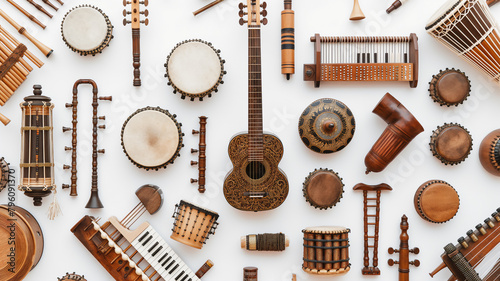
(161, 257)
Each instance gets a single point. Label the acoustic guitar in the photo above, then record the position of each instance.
(255, 183)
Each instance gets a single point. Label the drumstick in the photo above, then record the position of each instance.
(30, 16)
(45, 50)
(28, 54)
(40, 8)
(4, 119)
(47, 2)
(210, 5)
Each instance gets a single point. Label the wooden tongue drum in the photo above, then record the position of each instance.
(468, 29)
(326, 250)
(402, 128)
(18, 227)
(140, 254)
(371, 221)
(475, 257)
(37, 150)
(326, 126)
(404, 252)
(364, 58)
(193, 225)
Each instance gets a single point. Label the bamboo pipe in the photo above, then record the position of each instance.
(5, 50)
(28, 54)
(44, 49)
(208, 6)
(47, 2)
(40, 8)
(30, 16)
(14, 71)
(4, 119)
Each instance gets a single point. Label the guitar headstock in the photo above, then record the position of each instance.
(135, 12)
(254, 11)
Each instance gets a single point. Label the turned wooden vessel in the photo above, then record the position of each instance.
(449, 87)
(436, 201)
(489, 153)
(451, 143)
(326, 126)
(323, 188)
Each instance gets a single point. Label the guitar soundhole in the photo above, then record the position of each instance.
(255, 170)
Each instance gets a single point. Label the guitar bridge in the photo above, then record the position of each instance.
(255, 194)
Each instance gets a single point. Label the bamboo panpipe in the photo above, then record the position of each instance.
(30, 16)
(40, 8)
(44, 49)
(4, 119)
(28, 54)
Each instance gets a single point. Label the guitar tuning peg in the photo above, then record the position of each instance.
(241, 6)
(145, 13)
(264, 13)
(65, 129)
(392, 262)
(416, 263)
(145, 22)
(125, 22)
(125, 2)
(193, 150)
(242, 14)
(415, 250)
(242, 21)
(263, 5)
(145, 2)
(391, 250)
(264, 21)
(125, 13)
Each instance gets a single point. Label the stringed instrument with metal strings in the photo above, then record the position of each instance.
(255, 183)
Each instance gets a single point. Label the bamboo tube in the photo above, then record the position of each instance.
(5, 49)
(28, 54)
(15, 71)
(4, 119)
(30, 16)
(44, 49)
(40, 8)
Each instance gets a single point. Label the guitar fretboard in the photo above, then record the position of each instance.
(255, 131)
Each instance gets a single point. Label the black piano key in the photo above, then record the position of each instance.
(157, 250)
(184, 279)
(359, 58)
(173, 269)
(367, 58)
(143, 236)
(179, 276)
(386, 57)
(165, 262)
(375, 58)
(152, 247)
(169, 265)
(406, 58)
(364, 58)
(147, 240)
(164, 256)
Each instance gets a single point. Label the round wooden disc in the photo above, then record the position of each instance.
(449, 87)
(326, 126)
(323, 188)
(436, 201)
(451, 143)
(489, 153)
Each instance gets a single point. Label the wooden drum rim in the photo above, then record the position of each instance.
(323, 188)
(443, 13)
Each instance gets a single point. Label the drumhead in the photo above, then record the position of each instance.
(326, 229)
(448, 8)
(85, 28)
(194, 68)
(151, 138)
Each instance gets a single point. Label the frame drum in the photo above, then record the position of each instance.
(193, 225)
(195, 69)
(28, 239)
(152, 138)
(86, 30)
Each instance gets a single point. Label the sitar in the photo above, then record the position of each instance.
(255, 183)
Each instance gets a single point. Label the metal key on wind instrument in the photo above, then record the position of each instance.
(288, 40)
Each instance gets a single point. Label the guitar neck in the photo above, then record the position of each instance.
(255, 131)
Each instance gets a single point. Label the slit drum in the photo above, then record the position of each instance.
(326, 250)
(193, 225)
(86, 30)
(195, 69)
(468, 29)
(152, 138)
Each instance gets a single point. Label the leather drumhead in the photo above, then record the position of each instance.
(326, 229)
(323, 188)
(151, 138)
(85, 28)
(436, 201)
(451, 143)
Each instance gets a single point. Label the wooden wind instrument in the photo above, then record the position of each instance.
(13, 68)
(356, 13)
(28, 15)
(94, 201)
(202, 158)
(396, 5)
(136, 33)
(288, 40)
(402, 128)
(4, 119)
(47, 2)
(464, 258)
(208, 6)
(404, 253)
(44, 49)
(40, 8)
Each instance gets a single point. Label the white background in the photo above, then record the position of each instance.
(172, 22)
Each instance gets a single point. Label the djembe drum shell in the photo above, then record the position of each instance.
(323, 188)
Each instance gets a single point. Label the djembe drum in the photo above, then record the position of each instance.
(326, 250)
(193, 225)
(467, 28)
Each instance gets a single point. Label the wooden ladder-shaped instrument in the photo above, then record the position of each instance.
(373, 270)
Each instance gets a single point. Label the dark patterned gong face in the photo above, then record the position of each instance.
(326, 126)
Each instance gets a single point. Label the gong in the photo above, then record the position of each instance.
(326, 126)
